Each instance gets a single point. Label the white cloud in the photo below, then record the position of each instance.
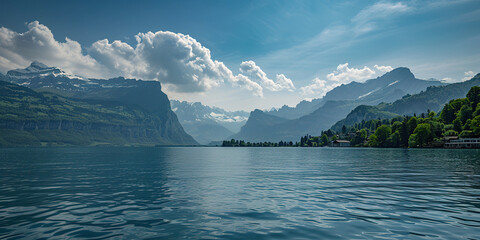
(284, 82)
(172, 58)
(383, 68)
(254, 72)
(468, 75)
(367, 19)
(243, 81)
(177, 60)
(344, 74)
(37, 43)
(318, 88)
(449, 80)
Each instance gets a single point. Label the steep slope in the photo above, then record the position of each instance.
(142, 96)
(363, 113)
(30, 118)
(259, 127)
(434, 98)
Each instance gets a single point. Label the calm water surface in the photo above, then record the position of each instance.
(239, 193)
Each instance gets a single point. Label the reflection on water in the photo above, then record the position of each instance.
(239, 193)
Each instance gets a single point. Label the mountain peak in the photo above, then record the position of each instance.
(38, 65)
(401, 73)
(256, 112)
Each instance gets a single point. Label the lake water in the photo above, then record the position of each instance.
(239, 193)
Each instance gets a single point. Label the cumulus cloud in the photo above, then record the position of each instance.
(177, 60)
(243, 81)
(342, 75)
(172, 58)
(468, 75)
(284, 82)
(254, 72)
(37, 43)
(318, 88)
(383, 68)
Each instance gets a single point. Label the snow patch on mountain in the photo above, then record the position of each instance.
(40, 70)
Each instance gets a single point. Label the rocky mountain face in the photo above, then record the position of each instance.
(335, 106)
(137, 110)
(207, 124)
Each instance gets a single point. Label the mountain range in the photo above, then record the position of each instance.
(386, 88)
(334, 106)
(64, 106)
(44, 105)
(432, 99)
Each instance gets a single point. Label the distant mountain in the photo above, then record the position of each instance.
(433, 99)
(336, 105)
(302, 108)
(260, 127)
(386, 88)
(141, 103)
(38, 69)
(207, 124)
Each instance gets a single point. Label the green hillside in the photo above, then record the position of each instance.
(363, 113)
(28, 118)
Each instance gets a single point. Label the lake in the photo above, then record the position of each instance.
(239, 193)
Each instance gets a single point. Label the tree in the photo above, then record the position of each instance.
(396, 126)
(334, 137)
(411, 124)
(474, 96)
(412, 141)
(373, 141)
(404, 134)
(465, 113)
(447, 114)
(360, 137)
(395, 140)
(324, 140)
(457, 125)
(383, 133)
(475, 126)
(423, 134)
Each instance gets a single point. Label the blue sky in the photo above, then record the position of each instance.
(273, 52)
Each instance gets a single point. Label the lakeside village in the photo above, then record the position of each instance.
(457, 126)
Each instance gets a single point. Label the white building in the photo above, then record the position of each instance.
(463, 143)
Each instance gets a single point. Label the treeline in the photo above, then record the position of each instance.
(458, 118)
(241, 143)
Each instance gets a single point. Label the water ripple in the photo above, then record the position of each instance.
(247, 193)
